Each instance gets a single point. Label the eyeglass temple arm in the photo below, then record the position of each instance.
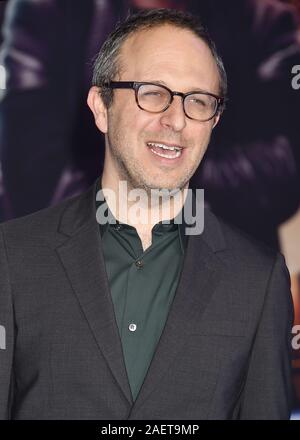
(120, 84)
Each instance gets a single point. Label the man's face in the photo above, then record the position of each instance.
(181, 61)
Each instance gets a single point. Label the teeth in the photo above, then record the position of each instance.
(178, 153)
(165, 147)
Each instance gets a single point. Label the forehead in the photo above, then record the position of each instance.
(175, 56)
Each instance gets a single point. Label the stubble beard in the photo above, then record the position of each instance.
(129, 170)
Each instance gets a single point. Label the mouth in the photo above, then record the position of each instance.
(167, 151)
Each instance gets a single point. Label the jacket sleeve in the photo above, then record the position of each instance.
(267, 392)
(6, 335)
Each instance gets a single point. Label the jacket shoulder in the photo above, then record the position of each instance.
(241, 247)
(39, 228)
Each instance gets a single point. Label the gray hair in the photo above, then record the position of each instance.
(107, 65)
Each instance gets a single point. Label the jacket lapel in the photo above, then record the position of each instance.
(83, 262)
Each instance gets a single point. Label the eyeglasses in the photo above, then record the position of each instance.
(156, 98)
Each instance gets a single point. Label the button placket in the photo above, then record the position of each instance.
(132, 327)
(139, 264)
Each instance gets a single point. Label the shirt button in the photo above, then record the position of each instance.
(139, 264)
(118, 227)
(132, 327)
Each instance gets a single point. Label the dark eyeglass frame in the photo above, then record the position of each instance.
(135, 85)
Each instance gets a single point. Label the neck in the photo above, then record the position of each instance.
(139, 208)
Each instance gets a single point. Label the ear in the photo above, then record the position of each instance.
(216, 119)
(98, 108)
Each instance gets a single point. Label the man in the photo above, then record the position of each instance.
(250, 170)
(134, 318)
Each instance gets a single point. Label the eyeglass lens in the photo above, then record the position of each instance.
(154, 98)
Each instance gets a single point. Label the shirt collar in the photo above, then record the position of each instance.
(160, 227)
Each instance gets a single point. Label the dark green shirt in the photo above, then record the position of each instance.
(142, 285)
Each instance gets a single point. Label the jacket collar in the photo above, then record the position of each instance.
(80, 213)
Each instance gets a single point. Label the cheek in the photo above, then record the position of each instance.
(139, 125)
(201, 139)
(130, 120)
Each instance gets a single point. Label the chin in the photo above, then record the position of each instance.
(166, 186)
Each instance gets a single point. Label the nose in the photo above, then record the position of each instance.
(174, 116)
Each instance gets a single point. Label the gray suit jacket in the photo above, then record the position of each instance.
(224, 352)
